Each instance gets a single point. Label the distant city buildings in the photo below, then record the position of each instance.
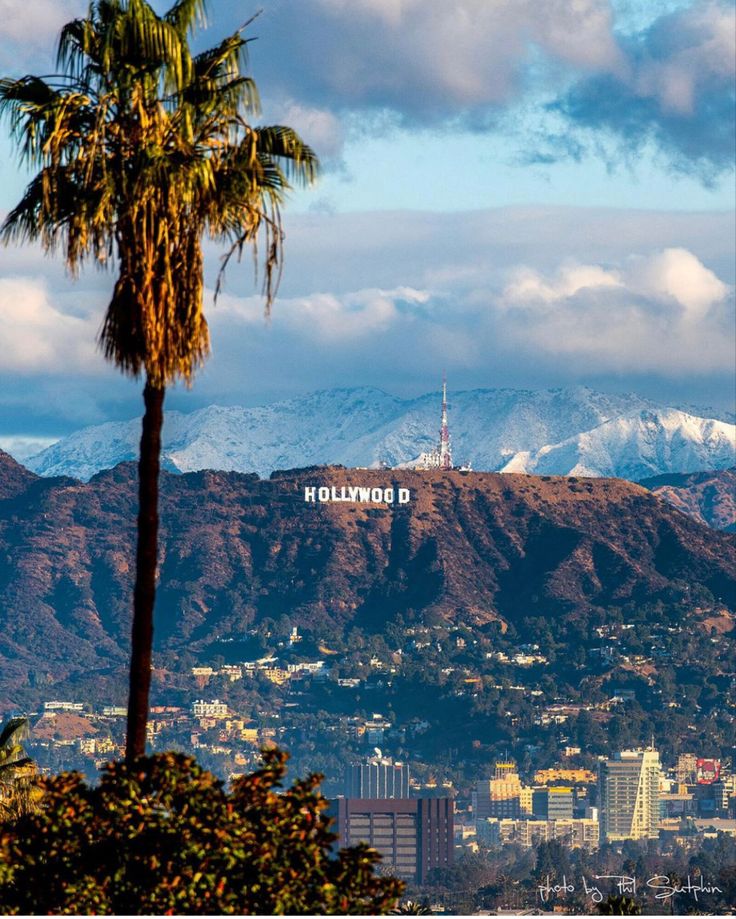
(553, 803)
(500, 796)
(213, 709)
(581, 833)
(565, 776)
(629, 795)
(57, 706)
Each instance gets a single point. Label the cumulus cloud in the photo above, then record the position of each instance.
(428, 60)
(325, 316)
(431, 63)
(332, 67)
(390, 299)
(39, 336)
(666, 313)
(676, 90)
(319, 127)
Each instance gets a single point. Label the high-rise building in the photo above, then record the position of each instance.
(553, 803)
(629, 795)
(500, 796)
(377, 779)
(414, 836)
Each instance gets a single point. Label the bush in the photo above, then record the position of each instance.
(163, 836)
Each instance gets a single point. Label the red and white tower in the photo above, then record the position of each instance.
(445, 449)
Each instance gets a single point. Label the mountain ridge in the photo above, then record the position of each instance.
(709, 497)
(494, 430)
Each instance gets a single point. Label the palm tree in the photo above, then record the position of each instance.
(142, 148)
(17, 770)
(618, 905)
(411, 908)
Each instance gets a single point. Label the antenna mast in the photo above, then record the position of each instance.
(445, 449)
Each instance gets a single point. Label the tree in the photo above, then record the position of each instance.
(17, 770)
(163, 836)
(142, 149)
(412, 908)
(618, 905)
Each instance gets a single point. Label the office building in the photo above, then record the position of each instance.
(414, 836)
(553, 803)
(687, 764)
(377, 779)
(629, 795)
(500, 796)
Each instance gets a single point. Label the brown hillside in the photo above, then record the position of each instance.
(709, 497)
(14, 478)
(470, 546)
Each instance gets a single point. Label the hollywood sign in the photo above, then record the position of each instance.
(356, 494)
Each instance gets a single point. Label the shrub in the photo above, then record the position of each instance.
(164, 836)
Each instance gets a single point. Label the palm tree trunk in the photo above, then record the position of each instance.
(145, 571)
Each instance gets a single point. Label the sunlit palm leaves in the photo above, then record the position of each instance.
(17, 771)
(142, 148)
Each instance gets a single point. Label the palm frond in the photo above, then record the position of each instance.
(15, 731)
(296, 158)
(184, 14)
(142, 148)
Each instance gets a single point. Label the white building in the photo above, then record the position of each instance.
(629, 795)
(213, 709)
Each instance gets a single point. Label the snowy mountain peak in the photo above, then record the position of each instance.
(575, 431)
(632, 446)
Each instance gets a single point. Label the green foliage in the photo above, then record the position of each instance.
(616, 905)
(163, 836)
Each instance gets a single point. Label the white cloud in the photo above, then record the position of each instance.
(390, 299)
(22, 448)
(678, 274)
(430, 58)
(318, 127)
(528, 285)
(325, 316)
(38, 337)
(666, 312)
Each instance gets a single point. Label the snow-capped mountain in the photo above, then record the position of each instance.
(563, 431)
(633, 446)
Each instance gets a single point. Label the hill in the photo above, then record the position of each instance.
(709, 497)
(471, 548)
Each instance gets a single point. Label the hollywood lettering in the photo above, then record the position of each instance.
(356, 494)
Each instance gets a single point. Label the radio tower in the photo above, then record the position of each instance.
(445, 449)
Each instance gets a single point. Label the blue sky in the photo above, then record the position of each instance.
(530, 194)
